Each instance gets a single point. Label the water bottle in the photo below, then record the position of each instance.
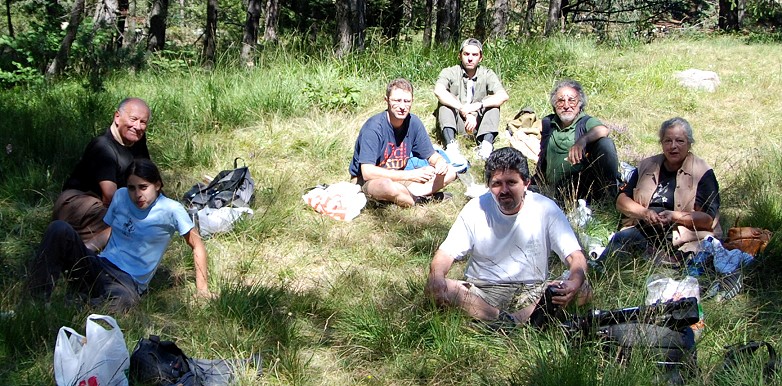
(696, 266)
(193, 213)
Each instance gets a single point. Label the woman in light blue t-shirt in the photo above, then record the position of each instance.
(142, 223)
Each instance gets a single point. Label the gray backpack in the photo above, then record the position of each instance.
(234, 187)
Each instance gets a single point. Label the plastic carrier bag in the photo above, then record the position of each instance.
(211, 221)
(98, 359)
(664, 289)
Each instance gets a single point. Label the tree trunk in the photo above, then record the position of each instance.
(447, 22)
(480, 21)
(210, 34)
(123, 7)
(106, 12)
(272, 17)
(456, 20)
(529, 17)
(344, 28)
(8, 17)
(742, 4)
(130, 37)
(429, 15)
(552, 21)
(250, 37)
(407, 13)
(157, 25)
(731, 13)
(499, 24)
(57, 65)
(351, 22)
(392, 23)
(106, 16)
(441, 29)
(360, 23)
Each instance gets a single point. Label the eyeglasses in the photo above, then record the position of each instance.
(572, 102)
(401, 101)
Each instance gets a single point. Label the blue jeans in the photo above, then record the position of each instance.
(625, 243)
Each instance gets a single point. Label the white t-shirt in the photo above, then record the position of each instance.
(510, 249)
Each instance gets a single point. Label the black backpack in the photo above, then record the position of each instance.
(162, 363)
(234, 187)
(156, 362)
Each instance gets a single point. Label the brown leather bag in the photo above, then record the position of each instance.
(748, 239)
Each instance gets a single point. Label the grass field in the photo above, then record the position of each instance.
(336, 303)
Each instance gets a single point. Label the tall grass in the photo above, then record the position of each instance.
(327, 302)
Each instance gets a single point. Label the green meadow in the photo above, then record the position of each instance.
(341, 303)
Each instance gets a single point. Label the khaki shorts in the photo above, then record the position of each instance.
(509, 297)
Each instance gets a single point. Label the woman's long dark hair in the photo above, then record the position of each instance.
(146, 170)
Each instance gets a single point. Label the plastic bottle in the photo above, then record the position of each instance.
(193, 213)
(581, 215)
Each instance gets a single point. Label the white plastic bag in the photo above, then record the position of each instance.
(99, 359)
(667, 289)
(212, 220)
(664, 289)
(581, 215)
(341, 201)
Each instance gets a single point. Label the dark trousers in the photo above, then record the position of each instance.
(63, 254)
(488, 123)
(599, 174)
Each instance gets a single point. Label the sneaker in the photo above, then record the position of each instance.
(731, 285)
(505, 322)
(457, 159)
(725, 287)
(485, 149)
(441, 196)
(437, 197)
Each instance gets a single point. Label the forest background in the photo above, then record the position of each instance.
(286, 86)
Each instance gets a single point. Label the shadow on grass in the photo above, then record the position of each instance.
(420, 230)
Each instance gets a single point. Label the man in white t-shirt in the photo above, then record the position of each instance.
(508, 233)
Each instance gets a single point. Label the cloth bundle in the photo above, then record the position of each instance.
(524, 133)
(341, 201)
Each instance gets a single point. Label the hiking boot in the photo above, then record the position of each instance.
(455, 156)
(485, 149)
(596, 266)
